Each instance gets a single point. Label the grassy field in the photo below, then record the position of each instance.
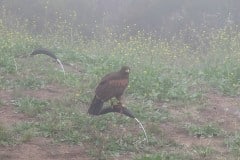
(187, 98)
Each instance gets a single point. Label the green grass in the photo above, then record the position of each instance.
(206, 130)
(5, 136)
(7, 64)
(24, 131)
(31, 106)
(203, 151)
(17, 134)
(30, 82)
(163, 73)
(172, 69)
(166, 156)
(233, 144)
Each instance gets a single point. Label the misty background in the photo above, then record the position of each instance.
(161, 18)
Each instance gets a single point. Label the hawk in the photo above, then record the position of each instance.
(112, 85)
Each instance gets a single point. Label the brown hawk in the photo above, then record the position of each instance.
(112, 85)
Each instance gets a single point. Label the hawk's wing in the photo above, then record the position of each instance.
(111, 85)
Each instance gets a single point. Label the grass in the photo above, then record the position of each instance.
(166, 156)
(30, 82)
(203, 151)
(207, 130)
(5, 136)
(162, 72)
(31, 106)
(233, 144)
(17, 134)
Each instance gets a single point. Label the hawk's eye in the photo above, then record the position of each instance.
(127, 70)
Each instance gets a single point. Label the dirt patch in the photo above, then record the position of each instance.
(36, 148)
(190, 142)
(9, 116)
(42, 148)
(5, 96)
(223, 110)
(49, 92)
(219, 109)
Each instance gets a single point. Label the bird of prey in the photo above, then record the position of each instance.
(112, 85)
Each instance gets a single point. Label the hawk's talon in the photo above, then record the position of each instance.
(118, 107)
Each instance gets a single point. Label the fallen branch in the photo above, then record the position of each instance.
(123, 110)
(50, 54)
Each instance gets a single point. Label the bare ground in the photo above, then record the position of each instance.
(218, 109)
(37, 148)
(42, 148)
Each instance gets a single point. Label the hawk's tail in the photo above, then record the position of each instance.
(96, 106)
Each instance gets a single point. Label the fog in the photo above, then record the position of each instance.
(164, 18)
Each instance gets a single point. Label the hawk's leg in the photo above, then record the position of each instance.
(119, 98)
(112, 102)
(119, 104)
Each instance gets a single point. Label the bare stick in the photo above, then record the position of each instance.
(146, 138)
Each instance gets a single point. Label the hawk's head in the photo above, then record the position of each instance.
(125, 70)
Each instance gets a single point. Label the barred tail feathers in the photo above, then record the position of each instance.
(96, 106)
